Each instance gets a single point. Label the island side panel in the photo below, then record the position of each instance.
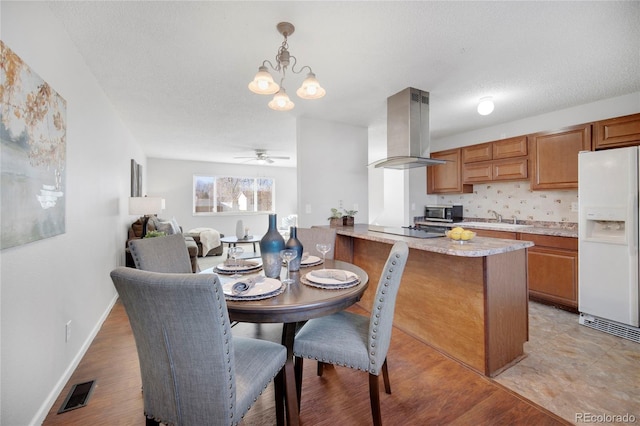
(507, 309)
(440, 300)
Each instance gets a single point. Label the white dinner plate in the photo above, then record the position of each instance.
(310, 261)
(247, 265)
(351, 277)
(269, 287)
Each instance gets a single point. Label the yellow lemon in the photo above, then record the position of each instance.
(455, 235)
(457, 229)
(466, 235)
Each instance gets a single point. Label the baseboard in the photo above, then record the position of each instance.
(41, 415)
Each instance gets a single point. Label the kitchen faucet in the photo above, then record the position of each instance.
(498, 217)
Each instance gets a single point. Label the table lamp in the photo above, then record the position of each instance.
(145, 206)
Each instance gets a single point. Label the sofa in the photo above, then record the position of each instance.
(168, 227)
(216, 251)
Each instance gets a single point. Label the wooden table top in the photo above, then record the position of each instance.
(298, 302)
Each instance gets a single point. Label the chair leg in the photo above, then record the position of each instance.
(320, 368)
(151, 422)
(298, 372)
(374, 395)
(279, 391)
(385, 376)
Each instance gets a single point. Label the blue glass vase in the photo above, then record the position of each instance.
(270, 246)
(294, 244)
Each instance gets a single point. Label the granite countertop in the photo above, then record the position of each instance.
(558, 229)
(478, 247)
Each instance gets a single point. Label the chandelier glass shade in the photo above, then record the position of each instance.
(264, 84)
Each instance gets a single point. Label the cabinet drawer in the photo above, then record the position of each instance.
(494, 234)
(481, 152)
(617, 132)
(507, 148)
(566, 243)
(510, 169)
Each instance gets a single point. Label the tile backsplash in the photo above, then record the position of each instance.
(516, 198)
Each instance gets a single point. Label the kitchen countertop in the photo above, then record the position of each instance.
(478, 247)
(558, 229)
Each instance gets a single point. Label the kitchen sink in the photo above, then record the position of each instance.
(503, 226)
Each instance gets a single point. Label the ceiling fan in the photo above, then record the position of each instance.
(262, 157)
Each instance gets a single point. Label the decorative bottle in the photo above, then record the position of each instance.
(239, 230)
(294, 244)
(270, 246)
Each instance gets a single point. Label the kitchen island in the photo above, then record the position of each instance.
(468, 301)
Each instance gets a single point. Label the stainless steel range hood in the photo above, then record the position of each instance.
(407, 131)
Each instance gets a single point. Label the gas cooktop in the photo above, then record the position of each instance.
(406, 232)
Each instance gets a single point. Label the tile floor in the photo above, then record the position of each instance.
(574, 371)
(570, 369)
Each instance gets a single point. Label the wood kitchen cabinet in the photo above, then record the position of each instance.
(447, 178)
(495, 161)
(617, 132)
(554, 157)
(553, 270)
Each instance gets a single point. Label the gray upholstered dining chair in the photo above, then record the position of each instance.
(193, 371)
(356, 341)
(309, 237)
(161, 254)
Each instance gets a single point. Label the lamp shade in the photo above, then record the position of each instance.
(145, 205)
(263, 83)
(281, 101)
(311, 88)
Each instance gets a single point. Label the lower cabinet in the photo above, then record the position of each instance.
(553, 270)
(552, 267)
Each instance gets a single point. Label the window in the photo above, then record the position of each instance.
(225, 194)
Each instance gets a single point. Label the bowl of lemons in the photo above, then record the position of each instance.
(460, 235)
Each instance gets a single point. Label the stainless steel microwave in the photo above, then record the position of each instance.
(443, 213)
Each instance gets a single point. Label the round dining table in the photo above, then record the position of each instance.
(299, 302)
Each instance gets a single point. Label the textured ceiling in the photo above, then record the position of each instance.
(177, 72)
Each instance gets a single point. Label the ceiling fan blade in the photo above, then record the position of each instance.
(279, 158)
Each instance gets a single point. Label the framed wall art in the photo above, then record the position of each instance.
(33, 125)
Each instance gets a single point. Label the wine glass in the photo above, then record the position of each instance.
(234, 252)
(288, 256)
(324, 249)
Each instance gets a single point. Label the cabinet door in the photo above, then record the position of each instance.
(553, 269)
(512, 147)
(515, 169)
(477, 172)
(480, 152)
(447, 178)
(554, 157)
(618, 132)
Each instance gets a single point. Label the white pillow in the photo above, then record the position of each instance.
(176, 227)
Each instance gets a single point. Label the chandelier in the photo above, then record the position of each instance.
(263, 83)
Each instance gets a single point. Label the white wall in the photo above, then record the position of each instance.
(173, 180)
(332, 169)
(49, 282)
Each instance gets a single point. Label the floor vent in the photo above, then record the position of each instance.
(621, 330)
(78, 396)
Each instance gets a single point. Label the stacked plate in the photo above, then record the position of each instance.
(238, 267)
(310, 261)
(330, 279)
(266, 288)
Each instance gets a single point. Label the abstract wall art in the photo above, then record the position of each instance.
(32, 154)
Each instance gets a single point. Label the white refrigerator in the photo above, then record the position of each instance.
(608, 295)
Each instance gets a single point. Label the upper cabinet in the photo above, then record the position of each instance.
(617, 132)
(505, 159)
(554, 157)
(446, 178)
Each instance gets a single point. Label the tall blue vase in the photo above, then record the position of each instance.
(270, 246)
(294, 244)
